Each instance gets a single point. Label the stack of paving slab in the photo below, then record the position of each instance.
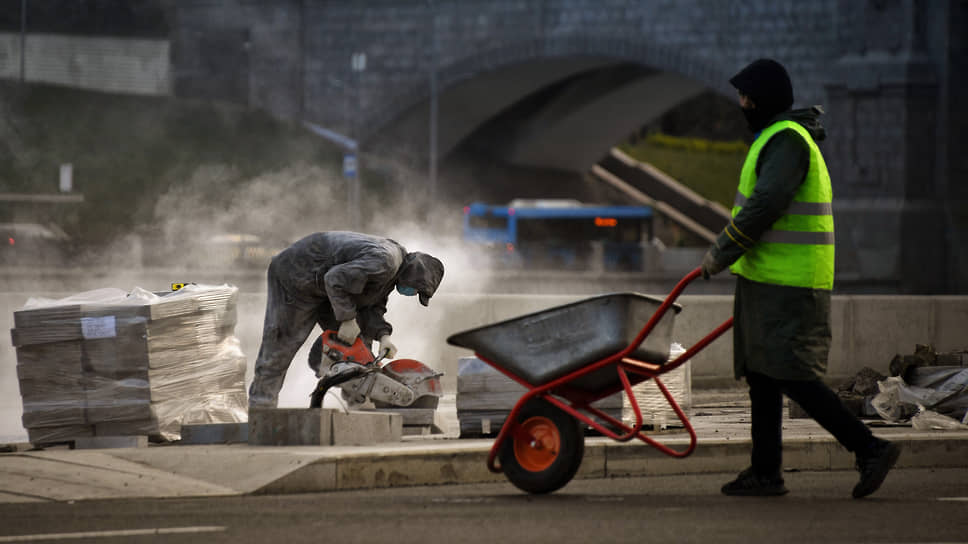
(109, 363)
(485, 397)
(657, 413)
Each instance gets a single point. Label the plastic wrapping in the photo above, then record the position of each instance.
(107, 362)
(656, 410)
(928, 420)
(943, 391)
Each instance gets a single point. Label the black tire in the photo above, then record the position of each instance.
(553, 469)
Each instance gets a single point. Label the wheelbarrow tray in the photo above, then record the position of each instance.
(543, 346)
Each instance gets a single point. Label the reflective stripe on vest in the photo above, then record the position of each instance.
(798, 250)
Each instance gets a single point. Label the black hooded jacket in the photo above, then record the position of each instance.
(354, 273)
(780, 331)
(780, 169)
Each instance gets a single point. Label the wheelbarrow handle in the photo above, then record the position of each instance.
(686, 280)
(662, 309)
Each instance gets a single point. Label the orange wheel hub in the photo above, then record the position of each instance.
(537, 444)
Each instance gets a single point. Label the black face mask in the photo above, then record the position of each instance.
(756, 118)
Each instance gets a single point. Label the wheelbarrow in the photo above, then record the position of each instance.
(568, 357)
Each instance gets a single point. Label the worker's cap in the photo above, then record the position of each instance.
(765, 81)
(423, 272)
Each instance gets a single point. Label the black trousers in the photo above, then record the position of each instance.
(820, 403)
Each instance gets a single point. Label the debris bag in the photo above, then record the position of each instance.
(899, 401)
(928, 420)
(950, 385)
(888, 403)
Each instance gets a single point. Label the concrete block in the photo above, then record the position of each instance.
(411, 416)
(215, 433)
(105, 442)
(290, 427)
(364, 428)
(15, 447)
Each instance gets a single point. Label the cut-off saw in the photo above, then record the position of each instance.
(361, 377)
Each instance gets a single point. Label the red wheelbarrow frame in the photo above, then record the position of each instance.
(579, 401)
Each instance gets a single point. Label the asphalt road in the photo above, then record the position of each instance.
(915, 505)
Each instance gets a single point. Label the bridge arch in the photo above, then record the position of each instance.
(511, 71)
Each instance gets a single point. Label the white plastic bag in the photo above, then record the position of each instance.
(927, 420)
(888, 403)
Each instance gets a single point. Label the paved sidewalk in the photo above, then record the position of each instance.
(720, 418)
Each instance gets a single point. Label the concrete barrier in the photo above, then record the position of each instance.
(868, 331)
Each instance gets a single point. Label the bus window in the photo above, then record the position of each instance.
(487, 221)
(569, 236)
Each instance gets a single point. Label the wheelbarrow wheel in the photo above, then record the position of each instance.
(545, 452)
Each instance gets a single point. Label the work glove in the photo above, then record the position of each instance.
(710, 266)
(387, 346)
(348, 331)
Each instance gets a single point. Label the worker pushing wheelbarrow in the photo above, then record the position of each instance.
(569, 357)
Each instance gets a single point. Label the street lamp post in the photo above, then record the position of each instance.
(23, 41)
(432, 167)
(358, 66)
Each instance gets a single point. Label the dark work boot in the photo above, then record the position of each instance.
(874, 465)
(750, 484)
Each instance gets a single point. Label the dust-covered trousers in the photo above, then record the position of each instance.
(288, 322)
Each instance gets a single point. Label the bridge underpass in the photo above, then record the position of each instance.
(537, 129)
(534, 129)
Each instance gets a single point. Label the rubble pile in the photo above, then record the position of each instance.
(857, 392)
(927, 388)
(113, 363)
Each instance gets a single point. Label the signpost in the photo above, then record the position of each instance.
(349, 165)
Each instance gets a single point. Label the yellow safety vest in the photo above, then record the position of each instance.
(798, 250)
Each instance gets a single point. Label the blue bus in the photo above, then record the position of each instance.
(560, 234)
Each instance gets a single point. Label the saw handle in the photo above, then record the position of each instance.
(382, 356)
(356, 352)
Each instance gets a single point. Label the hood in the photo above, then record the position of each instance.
(808, 118)
(422, 272)
(765, 81)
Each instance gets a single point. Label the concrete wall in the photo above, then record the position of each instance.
(868, 331)
(121, 65)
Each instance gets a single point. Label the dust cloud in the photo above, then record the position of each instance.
(190, 232)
